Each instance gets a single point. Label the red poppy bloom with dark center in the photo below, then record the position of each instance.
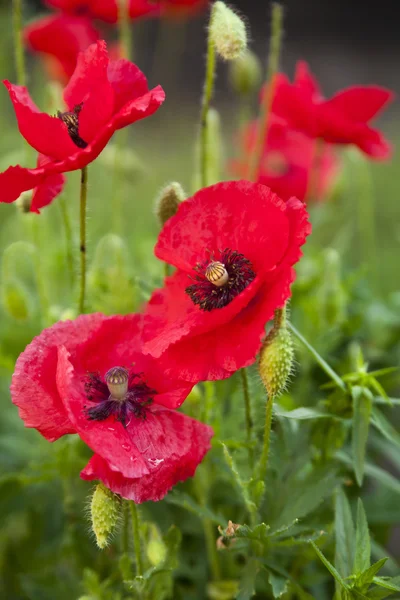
(90, 377)
(60, 39)
(234, 245)
(106, 10)
(289, 161)
(343, 119)
(101, 97)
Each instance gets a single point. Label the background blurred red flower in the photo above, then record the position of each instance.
(59, 39)
(101, 97)
(289, 161)
(106, 10)
(343, 119)
(62, 385)
(203, 330)
(182, 8)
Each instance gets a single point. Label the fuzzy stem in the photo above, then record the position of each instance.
(125, 29)
(68, 238)
(266, 104)
(136, 539)
(205, 105)
(322, 363)
(18, 42)
(82, 247)
(249, 418)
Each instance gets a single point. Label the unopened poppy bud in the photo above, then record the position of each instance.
(331, 296)
(156, 549)
(168, 201)
(276, 359)
(105, 510)
(123, 160)
(245, 73)
(15, 299)
(227, 32)
(23, 203)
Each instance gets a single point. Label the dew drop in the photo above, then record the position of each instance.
(126, 447)
(155, 461)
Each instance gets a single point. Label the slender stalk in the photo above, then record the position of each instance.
(40, 279)
(249, 418)
(265, 108)
(263, 464)
(68, 238)
(18, 42)
(136, 539)
(166, 270)
(205, 105)
(315, 171)
(125, 529)
(212, 550)
(322, 363)
(366, 218)
(125, 29)
(82, 247)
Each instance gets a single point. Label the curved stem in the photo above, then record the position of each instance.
(136, 539)
(68, 238)
(249, 419)
(322, 363)
(265, 108)
(205, 105)
(82, 247)
(18, 42)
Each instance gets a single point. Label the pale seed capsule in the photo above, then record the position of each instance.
(227, 32)
(105, 510)
(217, 274)
(276, 360)
(117, 380)
(168, 201)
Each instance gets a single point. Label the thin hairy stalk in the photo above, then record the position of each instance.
(265, 107)
(136, 539)
(249, 418)
(18, 42)
(125, 29)
(82, 247)
(205, 105)
(69, 254)
(263, 464)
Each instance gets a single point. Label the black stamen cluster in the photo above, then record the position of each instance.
(71, 120)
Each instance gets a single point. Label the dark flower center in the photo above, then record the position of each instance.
(218, 282)
(121, 394)
(71, 120)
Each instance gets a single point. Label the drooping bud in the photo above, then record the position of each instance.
(117, 380)
(156, 549)
(276, 357)
(24, 201)
(105, 510)
(168, 201)
(15, 299)
(331, 295)
(227, 32)
(245, 73)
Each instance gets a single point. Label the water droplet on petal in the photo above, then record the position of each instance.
(111, 429)
(155, 461)
(126, 447)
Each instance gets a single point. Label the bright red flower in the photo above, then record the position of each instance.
(234, 245)
(101, 97)
(288, 161)
(106, 10)
(90, 377)
(60, 39)
(343, 119)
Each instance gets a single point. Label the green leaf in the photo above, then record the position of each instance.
(185, 501)
(344, 534)
(384, 426)
(378, 593)
(248, 580)
(278, 584)
(362, 556)
(330, 567)
(260, 532)
(389, 583)
(362, 404)
(251, 507)
(373, 471)
(365, 578)
(304, 413)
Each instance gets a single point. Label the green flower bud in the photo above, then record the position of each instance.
(331, 295)
(168, 201)
(276, 358)
(15, 299)
(245, 73)
(105, 511)
(223, 590)
(24, 201)
(227, 32)
(156, 550)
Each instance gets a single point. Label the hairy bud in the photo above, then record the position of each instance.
(227, 32)
(156, 549)
(105, 510)
(24, 201)
(276, 359)
(245, 73)
(168, 201)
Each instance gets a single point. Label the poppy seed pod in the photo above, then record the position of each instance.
(227, 32)
(276, 359)
(105, 510)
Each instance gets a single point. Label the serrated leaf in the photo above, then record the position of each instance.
(344, 534)
(365, 578)
(330, 567)
(381, 423)
(248, 580)
(362, 555)
(362, 404)
(259, 533)
(278, 584)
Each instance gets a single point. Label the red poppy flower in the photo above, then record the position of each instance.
(288, 161)
(101, 97)
(343, 119)
(90, 377)
(234, 245)
(106, 10)
(60, 39)
(182, 8)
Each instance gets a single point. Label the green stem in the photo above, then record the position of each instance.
(125, 29)
(82, 247)
(205, 105)
(212, 549)
(249, 419)
(18, 42)
(136, 539)
(125, 529)
(68, 238)
(263, 464)
(40, 280)
(266, 104)
(322, 363)
(166, 270)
